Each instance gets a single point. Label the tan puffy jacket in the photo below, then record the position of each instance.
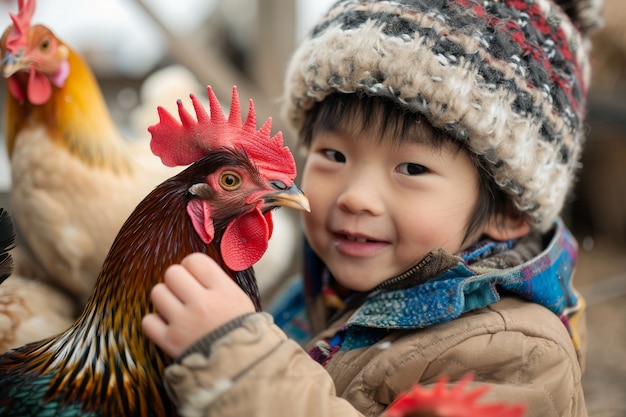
(522, 350)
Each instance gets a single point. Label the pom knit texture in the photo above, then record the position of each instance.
(508, 79)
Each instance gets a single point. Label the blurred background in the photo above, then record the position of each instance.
(151, 52)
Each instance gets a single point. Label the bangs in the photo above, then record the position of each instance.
(357, 113)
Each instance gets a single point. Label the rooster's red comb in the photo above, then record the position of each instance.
(18, 37)
(184, 142)
(455, 402)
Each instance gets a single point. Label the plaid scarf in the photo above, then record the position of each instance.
(537, 268)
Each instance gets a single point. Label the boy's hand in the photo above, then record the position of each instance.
(196, 298)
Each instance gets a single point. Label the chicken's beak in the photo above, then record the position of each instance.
(291, 197)
(13, 63)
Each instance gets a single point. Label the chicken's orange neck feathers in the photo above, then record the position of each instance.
(76, 117)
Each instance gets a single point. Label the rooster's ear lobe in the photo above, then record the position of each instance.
(200, 213)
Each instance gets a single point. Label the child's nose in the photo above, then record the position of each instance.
(361, 195)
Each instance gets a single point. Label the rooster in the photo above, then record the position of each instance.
(220, 205)
(75, 178)
(455, 402)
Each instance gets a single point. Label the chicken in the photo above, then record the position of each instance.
(220, 205)
(454, 402)
(75, 178)
(29, 310)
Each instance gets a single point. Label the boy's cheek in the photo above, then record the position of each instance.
(314, 230)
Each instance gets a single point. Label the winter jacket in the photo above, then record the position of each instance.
(505, 312)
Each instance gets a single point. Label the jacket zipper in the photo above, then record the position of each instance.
(359, 297)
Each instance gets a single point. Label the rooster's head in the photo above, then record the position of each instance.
(254, 174)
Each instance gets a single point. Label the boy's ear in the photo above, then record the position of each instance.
(509, 228)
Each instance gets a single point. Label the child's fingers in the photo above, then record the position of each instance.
(205, 270)
(165, 301)
(223, 290)
(154, 328)
(182, 283)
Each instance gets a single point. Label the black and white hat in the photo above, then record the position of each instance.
(506, 78)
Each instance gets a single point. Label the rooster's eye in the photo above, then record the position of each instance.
(44, 44)
(230, 180)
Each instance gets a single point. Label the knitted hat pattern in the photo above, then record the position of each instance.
(506, 78)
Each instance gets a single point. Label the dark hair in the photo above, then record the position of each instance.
(339, 109)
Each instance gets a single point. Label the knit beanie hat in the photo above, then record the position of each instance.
(507, 78)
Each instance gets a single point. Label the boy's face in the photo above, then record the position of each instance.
(378, 206)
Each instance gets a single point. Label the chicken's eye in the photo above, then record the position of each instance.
(44, 45)
(230, 180)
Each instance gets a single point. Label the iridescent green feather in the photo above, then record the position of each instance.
(23, 395)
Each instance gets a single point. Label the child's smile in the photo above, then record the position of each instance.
(358, 245)
(379, 206)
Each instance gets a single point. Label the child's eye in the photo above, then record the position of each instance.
(411, 169)
(334, 155)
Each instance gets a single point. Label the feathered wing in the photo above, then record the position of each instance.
(29, 310)
(7, 242)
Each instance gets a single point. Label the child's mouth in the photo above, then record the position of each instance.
(357, 239)
(358, 245)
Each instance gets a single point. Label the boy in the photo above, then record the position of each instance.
(442, 138)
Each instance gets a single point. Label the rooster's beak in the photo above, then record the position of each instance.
(291, 197)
